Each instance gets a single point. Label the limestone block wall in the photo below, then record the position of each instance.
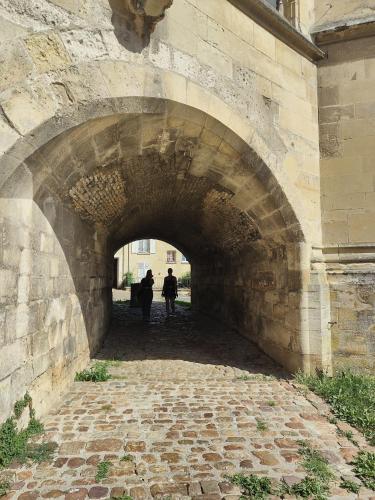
(49, 303)
(261, 294)
(347, 119)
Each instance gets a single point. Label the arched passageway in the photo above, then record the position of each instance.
(161, 170)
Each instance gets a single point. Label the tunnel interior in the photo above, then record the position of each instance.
(171, 173)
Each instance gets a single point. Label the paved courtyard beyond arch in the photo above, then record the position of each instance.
(189, 404)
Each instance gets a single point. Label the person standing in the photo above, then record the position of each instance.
(146, 295)
(170, 291)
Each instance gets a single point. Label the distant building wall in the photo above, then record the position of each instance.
(156, 255)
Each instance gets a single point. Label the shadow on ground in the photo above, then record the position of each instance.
(187, 340)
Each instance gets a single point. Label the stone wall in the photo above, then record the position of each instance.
(49, 302)
(257, 295)
(347, 119)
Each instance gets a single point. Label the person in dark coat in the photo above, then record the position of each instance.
(170, 291)
(146, 295)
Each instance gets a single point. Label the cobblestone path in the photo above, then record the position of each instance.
(190, 402)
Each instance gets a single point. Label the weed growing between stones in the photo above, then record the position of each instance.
(314, 486)
(127, 458)
(122, 497)
(364, 468)
(98, 372)
(314, 463)
(102, 471)
(348, 435)
(4, 488)
(351, 396)
(20, 405)
(15, 444)
(261, 426)
(271, 403)
(254, 487)
(106, 407)
(349, 485)
(309, 487)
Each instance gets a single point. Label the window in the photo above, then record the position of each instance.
(171, 256)
(144, 246)
(291, 11)
(142, 269)
(184, 260)
(287, 8)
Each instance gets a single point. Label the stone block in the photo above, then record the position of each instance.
(288, 57)
(84, 45)
(361, 227)
(8, 136)
(13, 355)
(28, 107)
(47, 51)
(335, 232)
(264, 42)
(12, 73)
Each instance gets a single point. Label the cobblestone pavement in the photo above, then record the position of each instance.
(190, 402)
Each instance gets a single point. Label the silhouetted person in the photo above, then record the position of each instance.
(145, 295)
(170, 291)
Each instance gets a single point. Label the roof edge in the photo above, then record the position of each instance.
(268, 17)
(353, 30)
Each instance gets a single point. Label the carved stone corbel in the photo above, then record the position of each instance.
(145, 14)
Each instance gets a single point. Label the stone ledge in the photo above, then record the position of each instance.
(267, 17)
(343, 33)
(345, 253)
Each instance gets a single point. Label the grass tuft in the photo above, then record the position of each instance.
(364, 468)
(351, 396)
(15, 445)
(261, 426)
(314, 486)
(309, 487)
(20, 405)
(314, 463)
(102, 471)
(351, 486)
(4, 488)
(98, 372)
(106, 407)
(254, 487)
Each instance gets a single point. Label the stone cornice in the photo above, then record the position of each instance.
(345, 253)
(267, 17)
(351, 31)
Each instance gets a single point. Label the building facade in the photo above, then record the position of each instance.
(241, 131)
(142, 255)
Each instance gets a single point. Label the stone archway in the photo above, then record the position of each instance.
(162, 169)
